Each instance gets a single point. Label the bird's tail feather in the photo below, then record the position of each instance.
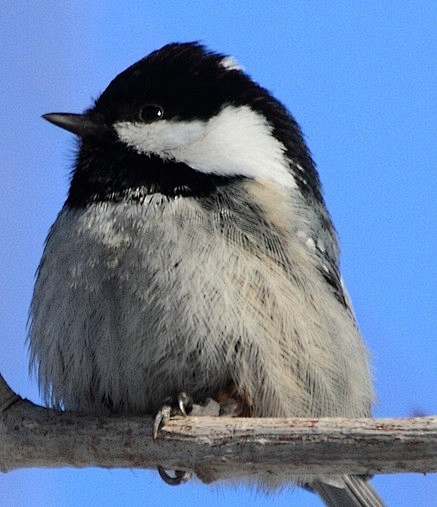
(357, 492)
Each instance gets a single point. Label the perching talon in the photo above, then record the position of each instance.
(182, 405)
(180, 476)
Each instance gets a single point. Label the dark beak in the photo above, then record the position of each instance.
(80, 124)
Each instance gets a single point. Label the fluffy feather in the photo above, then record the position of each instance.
(196, 252)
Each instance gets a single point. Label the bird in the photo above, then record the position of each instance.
(195, 258)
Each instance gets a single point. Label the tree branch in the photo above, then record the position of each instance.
(213, 447)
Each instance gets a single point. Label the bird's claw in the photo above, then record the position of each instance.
(185, 403)
(182, 404)
(180, 476)
(163, 416)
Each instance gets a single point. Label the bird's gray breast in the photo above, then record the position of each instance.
(129, 304)
(135, 301)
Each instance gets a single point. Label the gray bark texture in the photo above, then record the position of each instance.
(213, 447)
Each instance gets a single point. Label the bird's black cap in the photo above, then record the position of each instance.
(189, 82)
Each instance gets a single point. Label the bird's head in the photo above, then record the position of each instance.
(180, 121)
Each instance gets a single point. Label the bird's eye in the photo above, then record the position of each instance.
(151, 112)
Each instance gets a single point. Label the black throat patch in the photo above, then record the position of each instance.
(108, 171)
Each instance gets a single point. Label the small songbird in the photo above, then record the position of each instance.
(195, 254)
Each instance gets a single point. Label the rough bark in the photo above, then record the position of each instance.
(213, 447)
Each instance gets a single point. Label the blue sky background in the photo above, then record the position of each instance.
(360, 77)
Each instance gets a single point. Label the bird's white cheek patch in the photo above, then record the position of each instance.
(236, 142)
(161, 137)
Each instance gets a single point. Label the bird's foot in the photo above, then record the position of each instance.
(182, 404)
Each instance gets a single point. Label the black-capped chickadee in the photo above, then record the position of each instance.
(194, 253)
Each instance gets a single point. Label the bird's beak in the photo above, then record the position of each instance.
(80, 124)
